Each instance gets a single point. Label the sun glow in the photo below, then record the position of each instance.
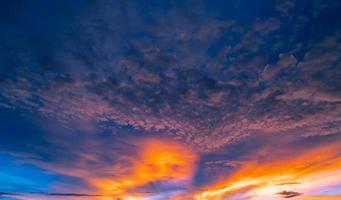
(305, 173)
(157, 160)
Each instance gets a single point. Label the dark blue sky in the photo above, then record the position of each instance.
(93, 93)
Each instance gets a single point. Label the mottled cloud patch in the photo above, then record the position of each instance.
(187, 75)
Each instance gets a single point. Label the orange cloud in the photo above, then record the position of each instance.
(156, 160)
(266, 179)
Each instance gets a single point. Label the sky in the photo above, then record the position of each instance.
(170, 100)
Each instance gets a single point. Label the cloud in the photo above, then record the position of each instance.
(174, 78)
(259, 181)
(52, 196)
(284, 62)
(289, 194)
(197, 76)
(157, 163)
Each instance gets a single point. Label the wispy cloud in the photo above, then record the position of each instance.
(264, 178)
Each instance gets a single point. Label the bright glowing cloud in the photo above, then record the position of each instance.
(289, 176)
(156, 161)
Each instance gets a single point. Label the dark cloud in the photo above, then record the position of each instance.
(289, 194)
(52, 194)
(71, 194)
(144, 76)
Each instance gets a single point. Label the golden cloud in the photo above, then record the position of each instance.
(266, 179)
(156, 161)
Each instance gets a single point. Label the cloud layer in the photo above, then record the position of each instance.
(170, 100)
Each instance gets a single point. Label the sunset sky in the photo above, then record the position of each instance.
(170, 100)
